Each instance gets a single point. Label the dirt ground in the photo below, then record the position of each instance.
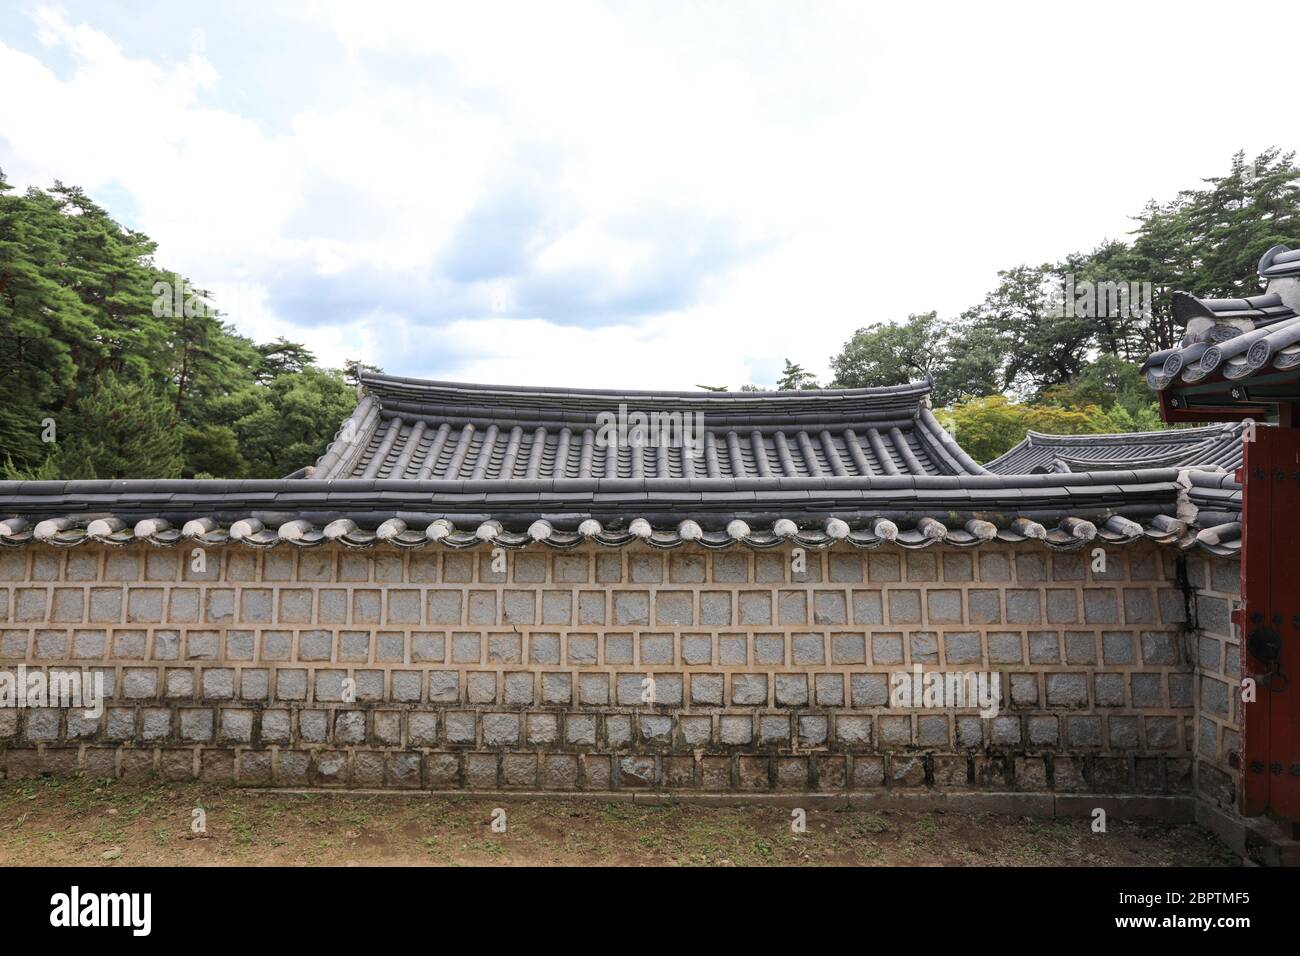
(88, 822)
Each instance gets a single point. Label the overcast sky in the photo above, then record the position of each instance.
(624, 194)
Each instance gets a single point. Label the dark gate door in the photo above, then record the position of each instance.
(1270, 623)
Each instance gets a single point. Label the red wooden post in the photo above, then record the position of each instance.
(1269, 623)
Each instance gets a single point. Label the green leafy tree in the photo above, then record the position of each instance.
(354, 368)
(120, 430)
(279, 428)
(889, 353)
(283, 357)
(87, 318)
(213, 450)
(795, 378)
(1037, 344)
(1113, 385)
(990, 425)
(960, 359)
(44, 325)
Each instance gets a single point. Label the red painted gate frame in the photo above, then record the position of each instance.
(1270, 590)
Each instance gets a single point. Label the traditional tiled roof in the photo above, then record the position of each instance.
(1280, 261)
(1214, 446)
(407, 428)
(423, 463)
(1229, 339)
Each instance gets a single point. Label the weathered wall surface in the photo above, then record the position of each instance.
(1218, 675)
(764, 678)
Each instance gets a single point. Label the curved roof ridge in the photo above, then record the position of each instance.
(1160, 434)
(378, 383)
(1279, 261)
(1204, 445)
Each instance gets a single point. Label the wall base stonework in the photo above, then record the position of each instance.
(614, 670)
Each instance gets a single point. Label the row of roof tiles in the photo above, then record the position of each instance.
(1061, 510)
(439, 431)
(1069, 534)
(1230, 339)
(1213, 446)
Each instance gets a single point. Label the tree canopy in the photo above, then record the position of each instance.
(113, 367)
(1026, 358)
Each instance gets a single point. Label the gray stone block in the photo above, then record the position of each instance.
(829, 607)
(697, 649)
(813, 730)
(773, 728)
(733, 649)
(791, 690)
(140, 683)
(444, 687)
(422, 729)
(749, 689)
(1159, 647)
(755, 607)
(869, 690)
(769, 649)
(218, 683)
(618, 648)
(237, 725)
(631, 607)
(461, 727)
(519, 607)
(962, 647)
(887, 648)
(593, 689)
(808, 649)
(1100, 606)
(581, 649)
(715, 608)
(868, 608)
(707, 689)
(1067, 690)
(518, 688)
(505, 649)
(406, 686)
(924, 647)
(656, 649)
(481, 687)
(829, 690)
(255, 684)
(674, 609)
(313, 726)
(735, 730)
(1109, 690)
(580, 730)
(444, 607)
(943, 607)
(350, 727)
(196, 724)
(557, 688)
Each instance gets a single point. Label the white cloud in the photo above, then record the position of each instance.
(677, 194)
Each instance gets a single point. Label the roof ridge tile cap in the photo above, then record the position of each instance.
(1266, 260)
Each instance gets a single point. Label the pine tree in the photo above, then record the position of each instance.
(120, 430)
(796, 378)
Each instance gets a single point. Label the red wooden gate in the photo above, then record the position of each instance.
(1269, 623)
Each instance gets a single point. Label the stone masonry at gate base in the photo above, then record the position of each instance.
(764, 678)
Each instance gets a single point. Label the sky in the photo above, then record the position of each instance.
(623, 194)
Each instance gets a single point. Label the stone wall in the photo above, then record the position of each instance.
(466, 677)
(1218, 674)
